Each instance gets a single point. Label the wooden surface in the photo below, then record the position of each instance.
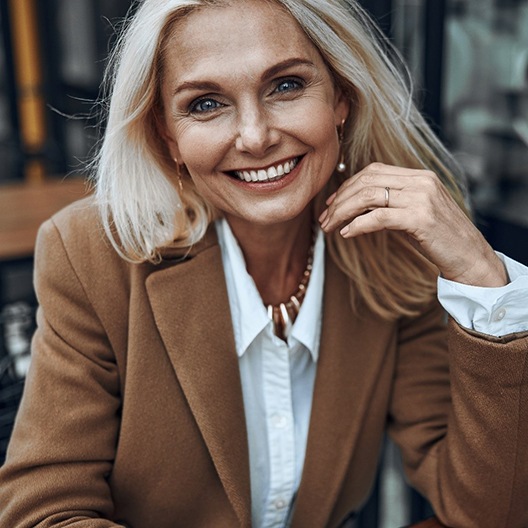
(23, 207)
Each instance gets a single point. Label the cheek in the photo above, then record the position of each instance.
(317, 126)
(205, 187)
(325, 139)
(201, 150)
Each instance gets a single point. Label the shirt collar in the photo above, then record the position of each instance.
(307, 326)
(248, 312)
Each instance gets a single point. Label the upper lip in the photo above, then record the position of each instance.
(265, 167)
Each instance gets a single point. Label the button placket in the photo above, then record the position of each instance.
(276, 369)
(279, 421)
(280, 503)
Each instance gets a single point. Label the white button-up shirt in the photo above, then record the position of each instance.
(277, 382)
(278, 378)
(492, 311)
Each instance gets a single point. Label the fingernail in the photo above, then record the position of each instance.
(330, 199)
(344, 231)
(324, 214)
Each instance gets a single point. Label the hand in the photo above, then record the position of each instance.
(419, 205)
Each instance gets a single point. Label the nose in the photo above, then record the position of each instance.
(256, 133)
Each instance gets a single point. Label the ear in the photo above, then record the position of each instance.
(341, 107)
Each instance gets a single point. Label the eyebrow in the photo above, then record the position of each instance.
(268, 74)
(284, 65)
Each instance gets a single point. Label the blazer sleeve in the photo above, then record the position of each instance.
(65, 435)
(460, 417)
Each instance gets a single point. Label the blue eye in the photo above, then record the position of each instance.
(288, 85)
(202, 106)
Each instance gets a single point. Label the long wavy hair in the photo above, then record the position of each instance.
(143, 209)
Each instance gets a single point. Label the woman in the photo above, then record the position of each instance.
(207, 355)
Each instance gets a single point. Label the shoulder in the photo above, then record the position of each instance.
(73, 255)
(74, 238)
(78, 228)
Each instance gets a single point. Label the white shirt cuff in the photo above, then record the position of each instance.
(492, 311)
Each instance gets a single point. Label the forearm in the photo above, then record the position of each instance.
(477, 474)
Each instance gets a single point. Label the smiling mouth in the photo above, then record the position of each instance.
(273, 173)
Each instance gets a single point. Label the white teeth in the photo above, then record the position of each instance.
(270, 174)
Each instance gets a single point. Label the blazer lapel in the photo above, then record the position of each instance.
(191, 309)
(351, 353)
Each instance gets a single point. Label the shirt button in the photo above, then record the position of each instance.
(279, 421)
(280, 504)
(499, 314)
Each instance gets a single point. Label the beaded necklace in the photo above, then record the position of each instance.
(284, 314)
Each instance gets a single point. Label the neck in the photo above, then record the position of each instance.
(276, 254)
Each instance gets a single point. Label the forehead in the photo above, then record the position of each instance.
(247, 35)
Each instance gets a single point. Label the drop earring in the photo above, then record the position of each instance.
(341, 166)
(178, 175)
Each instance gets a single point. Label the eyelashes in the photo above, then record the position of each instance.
(204, 105)
(282, 88)
(289, 85)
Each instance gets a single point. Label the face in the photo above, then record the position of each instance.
(251, 109)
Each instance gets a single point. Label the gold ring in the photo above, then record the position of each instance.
(387, 196)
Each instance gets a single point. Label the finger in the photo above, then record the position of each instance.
(351, 203)
(330, 199)
(323, 216)
(364, 201)
(364, 185)
(376, 220)
(370, 190)
(379, 175)
(382, 168)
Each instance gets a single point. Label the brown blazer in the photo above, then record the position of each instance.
(133, 413)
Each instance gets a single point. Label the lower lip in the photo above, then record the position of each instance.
(274, 185)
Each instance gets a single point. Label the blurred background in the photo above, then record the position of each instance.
(469, 61)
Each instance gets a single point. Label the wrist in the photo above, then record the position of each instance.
(487, 272)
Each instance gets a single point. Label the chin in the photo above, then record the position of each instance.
(273, 216)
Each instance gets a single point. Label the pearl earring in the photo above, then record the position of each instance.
(341, 166)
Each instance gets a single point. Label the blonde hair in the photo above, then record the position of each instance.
(142, 209)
